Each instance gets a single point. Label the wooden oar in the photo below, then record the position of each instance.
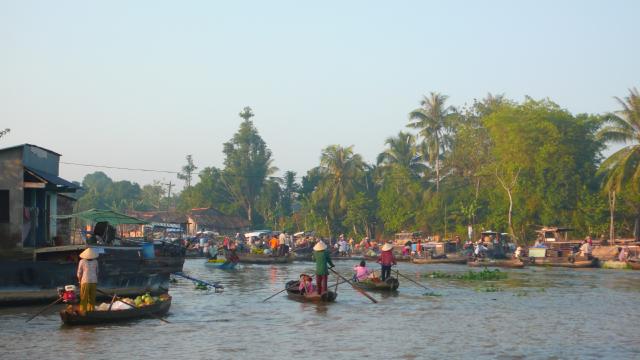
(413, 281)
(133, 305)
(353, 286)
(44, 309)
(279, 292)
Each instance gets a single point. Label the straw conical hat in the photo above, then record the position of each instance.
(89, 253)
(320, 246)
(387, 247)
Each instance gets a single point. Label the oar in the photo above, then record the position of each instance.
(44, 309)
(279, 292)
(353, 286)
(132, 305)
(413, 281)
(214, 285)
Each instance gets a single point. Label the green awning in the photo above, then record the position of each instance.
(112, 217)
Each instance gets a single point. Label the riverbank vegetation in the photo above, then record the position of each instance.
(494, 164)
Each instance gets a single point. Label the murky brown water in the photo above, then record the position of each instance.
(537, 313)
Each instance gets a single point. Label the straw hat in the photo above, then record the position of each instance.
(89, 253)
(320, 246)
(387, 247)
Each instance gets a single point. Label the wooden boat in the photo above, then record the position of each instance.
(294, 294)
(391, 284)
(451, 260)
(264, 259)
(70, 315)
(564, 262)
(634, 264)
(220, 264)
(506, 263)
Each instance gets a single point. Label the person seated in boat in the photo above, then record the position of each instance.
(386, 261)
(232, 255)
(539, 244)
(518, 253)
(362, 271)
(623, 256)
(585, 249)
(480, 250)
(306, 286)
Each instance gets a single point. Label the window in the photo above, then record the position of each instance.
(4, 206)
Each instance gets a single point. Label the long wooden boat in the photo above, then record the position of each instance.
(294, 293)
(399, 258)
(451, 260)
(221, 264)
(634, 264)
(264, 259)
(391, 284)
(506, 263)
(564, 262)
(70, 316)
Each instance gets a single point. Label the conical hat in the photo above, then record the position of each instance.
(387, 247)
(320, 246)
(89, 253)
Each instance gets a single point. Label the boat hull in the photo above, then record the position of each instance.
(69, 317)
(460, 261)
(224, 265)
(294, 294)
(391, 284)
(512, 264)
(563, 262)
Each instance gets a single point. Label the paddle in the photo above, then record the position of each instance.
(132, 305)
(279, 292)
(353, 286)
(214, 285)
(44, 309)
(413, 281)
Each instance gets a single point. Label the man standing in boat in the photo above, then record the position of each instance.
(323, 264)
(88, 279)
(386, 261)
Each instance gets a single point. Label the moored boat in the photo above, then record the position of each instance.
(506, 263)
(294, 293)
(376, 284)
(634, 264)
(70, 315)
(564, 262)
(448, 260)
(220, 264)
(264, 259)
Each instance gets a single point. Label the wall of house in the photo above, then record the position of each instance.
(40, 159)
(11, 178)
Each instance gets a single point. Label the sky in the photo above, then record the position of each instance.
(141, 84)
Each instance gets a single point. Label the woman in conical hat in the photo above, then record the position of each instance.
(386, 261)
(88, 278)
(323, 264)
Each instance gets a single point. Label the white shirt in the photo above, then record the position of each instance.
(88, 271)
(282, 238)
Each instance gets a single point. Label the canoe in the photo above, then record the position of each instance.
(508, 263)
(452, 260)
(70, 316)
(264, 259)
(391, 284)
(563, 262)
(294, 294)
(221, 264)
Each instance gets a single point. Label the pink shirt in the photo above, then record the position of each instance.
(362, 272)
(308, 287)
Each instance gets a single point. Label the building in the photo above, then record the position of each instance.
(209, 219)
(29, 196)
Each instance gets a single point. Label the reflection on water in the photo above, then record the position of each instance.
(535, 313)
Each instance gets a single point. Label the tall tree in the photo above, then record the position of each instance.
(187, 171)
(432, 120)
(247, 164)
(4, 132)
(402, 151)
(623, 167)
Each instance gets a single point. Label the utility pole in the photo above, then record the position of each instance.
(169, 185)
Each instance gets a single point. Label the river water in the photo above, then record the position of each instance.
(537, 313)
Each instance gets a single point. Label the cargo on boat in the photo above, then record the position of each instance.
(71, 315)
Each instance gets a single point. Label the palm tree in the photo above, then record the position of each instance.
(432, 122)
(342, 173)
(623, 167)
(402, 151)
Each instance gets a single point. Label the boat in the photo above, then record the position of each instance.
(504, 263)
(220, 264)
(294, 294)
(70, 315)
(634, 264)
(264, 259)
(447, 260)
(564, 262)
(391, 284)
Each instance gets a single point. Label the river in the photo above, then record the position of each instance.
(536, 313)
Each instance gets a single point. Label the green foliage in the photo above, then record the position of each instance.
(397, 199)
(484, 275)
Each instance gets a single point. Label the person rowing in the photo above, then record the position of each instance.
(386, 261)
(323, 264)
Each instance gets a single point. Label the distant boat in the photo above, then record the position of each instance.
(221, 264)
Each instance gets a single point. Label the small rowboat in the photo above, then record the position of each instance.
(564, 262)
(221, 264)
(294, 293)
(70, 316)
(510, 263)
(452, 260)
(264, 259)
(634, 264)
(391, 284)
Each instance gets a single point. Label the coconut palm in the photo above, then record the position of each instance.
(623, 167)
(432, 122)
(402, 151)
(342, 173)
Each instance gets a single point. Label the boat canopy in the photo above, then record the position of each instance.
(112, 217)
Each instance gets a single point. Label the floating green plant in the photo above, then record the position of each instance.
(484, 275)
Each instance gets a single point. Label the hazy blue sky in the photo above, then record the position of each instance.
(143, 83)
